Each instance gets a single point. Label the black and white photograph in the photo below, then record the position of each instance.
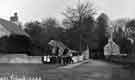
(67, 39)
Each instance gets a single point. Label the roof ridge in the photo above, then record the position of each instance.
(12, 27)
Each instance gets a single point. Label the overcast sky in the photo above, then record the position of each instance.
(29, 10)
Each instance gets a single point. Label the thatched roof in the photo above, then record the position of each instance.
(12, 28)
(55, 43)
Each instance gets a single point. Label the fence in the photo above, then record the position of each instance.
(20, 76)
(40, 76)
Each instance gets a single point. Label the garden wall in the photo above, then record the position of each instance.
(20, 58)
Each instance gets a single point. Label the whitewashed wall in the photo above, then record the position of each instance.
(3, 31)
(20, 59)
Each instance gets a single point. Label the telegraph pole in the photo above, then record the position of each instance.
(80, 22)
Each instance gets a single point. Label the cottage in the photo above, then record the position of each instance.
(13, 39)
(58, 47)
(111, 48)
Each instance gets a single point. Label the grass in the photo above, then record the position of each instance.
(43, 71)
(88, 71)
(27, 70)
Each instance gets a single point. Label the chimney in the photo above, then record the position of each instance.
(14, 18)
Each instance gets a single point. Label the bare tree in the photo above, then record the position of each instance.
(80, 21)
(130, 33)
(79, 13)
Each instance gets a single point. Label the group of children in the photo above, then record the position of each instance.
(57, 57)
(57, 60)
